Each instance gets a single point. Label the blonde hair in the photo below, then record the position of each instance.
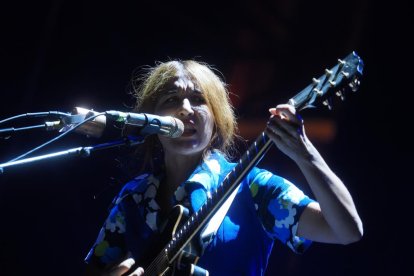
(148, 87)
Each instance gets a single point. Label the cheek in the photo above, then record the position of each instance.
(206, 117)
(210, 127)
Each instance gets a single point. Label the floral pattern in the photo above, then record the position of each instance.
(275, 204)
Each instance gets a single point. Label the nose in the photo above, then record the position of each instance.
(185, 108)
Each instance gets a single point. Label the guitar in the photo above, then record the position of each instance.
(181, 246)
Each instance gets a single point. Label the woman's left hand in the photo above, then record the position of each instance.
(285, 128)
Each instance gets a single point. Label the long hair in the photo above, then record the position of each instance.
(148, 87)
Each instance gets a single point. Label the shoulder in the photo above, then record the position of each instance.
(139, 184)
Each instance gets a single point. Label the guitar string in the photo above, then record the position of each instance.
(152, 269)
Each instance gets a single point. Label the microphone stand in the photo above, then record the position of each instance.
(79, 151)
(6, 132)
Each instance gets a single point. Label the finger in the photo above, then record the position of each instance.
(283, 128)
(287, 112)
(279, 141)
(272, 135)
(278, 134)
(123, 267)
(138, 272)
(127, 263)
(285, 108)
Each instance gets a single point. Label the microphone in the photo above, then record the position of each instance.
(149, 124)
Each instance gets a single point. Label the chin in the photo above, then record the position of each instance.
(184, 146)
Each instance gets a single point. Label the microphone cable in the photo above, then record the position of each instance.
(56, 138)
(37, 114)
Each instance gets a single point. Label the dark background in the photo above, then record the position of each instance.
(56, 55)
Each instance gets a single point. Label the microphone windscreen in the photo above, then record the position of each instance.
(179, 128)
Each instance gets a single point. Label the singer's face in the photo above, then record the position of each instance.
(181, 99)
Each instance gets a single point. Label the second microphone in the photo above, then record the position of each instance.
(148, 123)
(151, 124)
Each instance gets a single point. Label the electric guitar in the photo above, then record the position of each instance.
(181, 250)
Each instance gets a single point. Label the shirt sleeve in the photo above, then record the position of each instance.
(279, 204)
(110, 246)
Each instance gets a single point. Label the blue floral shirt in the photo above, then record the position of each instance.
(266, 208)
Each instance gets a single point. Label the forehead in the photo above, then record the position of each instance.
(180, 84)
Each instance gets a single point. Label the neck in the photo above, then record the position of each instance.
(179, 167)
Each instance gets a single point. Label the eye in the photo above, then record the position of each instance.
(170, 100)
(198, 99)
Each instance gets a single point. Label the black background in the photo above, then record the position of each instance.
(56, 55)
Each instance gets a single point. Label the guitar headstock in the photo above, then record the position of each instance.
(337, 81)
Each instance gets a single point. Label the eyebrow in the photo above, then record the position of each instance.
(175, 90)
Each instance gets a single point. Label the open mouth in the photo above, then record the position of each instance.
(189, 128)
(189, 131)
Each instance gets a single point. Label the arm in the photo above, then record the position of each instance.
(334, 218)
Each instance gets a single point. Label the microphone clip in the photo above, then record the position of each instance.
(93, 128)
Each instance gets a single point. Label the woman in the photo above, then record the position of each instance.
(185, 170)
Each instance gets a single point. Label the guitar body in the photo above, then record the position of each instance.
(187, 259)
(185, 263)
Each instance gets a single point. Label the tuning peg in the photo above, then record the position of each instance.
(328, 72)
(332, 83)
(354, 84)
(340, 94)
(341, 61)
(315, 81)
(318, 91)
(328, 103)
(345, 74)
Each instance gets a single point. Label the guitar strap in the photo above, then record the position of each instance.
(210, 230)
